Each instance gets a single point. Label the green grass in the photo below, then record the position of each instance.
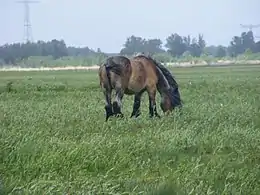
(53, 138)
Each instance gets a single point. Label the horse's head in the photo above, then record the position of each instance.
(171, 100)
(166, 104)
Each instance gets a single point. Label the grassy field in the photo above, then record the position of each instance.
(53, 138)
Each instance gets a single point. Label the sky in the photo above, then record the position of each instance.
(106, 24)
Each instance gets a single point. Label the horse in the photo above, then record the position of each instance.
(133, 77)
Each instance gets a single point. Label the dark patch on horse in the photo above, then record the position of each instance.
(129, 92)
(117, 63)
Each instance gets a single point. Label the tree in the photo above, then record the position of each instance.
(59, 49)
(210, 50)
(12, 53)
(248, 41)
(201, 42)
(175, 45)
(236, 46)
(239, 44)
(132, 45)
(153, 46)
(257, 46)
(221, 51)
(135, 44)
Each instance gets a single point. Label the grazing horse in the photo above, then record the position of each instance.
(134, 77)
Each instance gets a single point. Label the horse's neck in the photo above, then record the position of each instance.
(163, 92)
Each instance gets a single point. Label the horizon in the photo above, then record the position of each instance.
(218, 29)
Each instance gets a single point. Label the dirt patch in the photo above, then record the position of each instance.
(50, 68)
(175, 64)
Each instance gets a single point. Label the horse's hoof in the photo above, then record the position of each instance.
(155, 116)
(138, 114)
(119, 115)
(135, 115)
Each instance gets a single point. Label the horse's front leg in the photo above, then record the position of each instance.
(137, 103)
(152, 102)
(117, 104)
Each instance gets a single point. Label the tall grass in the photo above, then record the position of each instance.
(53, 138)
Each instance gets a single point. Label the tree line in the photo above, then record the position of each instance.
(12, 53)
(176, 46)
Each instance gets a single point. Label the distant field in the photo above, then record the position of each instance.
(83, 66)
(53, 138)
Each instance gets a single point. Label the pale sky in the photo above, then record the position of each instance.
(107, 23)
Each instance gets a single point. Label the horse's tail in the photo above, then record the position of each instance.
(166, 82)
(104, 76)
(107, 69)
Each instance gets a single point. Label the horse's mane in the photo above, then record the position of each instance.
(166, 72)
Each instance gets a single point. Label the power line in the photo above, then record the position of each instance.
(250, 27)
(28, 37)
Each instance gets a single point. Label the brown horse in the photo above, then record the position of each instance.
(134, 77)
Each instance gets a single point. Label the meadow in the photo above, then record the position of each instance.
(54, 138)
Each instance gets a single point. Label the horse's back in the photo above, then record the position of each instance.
(143, 75)
(133, 75)
(120, 60)
(147, 70)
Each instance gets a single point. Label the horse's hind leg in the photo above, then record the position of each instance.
(152, 102)
(108, 106)
(117, 104)
(137, 103)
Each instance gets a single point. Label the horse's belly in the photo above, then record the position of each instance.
(129, 92)
(135, 87)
